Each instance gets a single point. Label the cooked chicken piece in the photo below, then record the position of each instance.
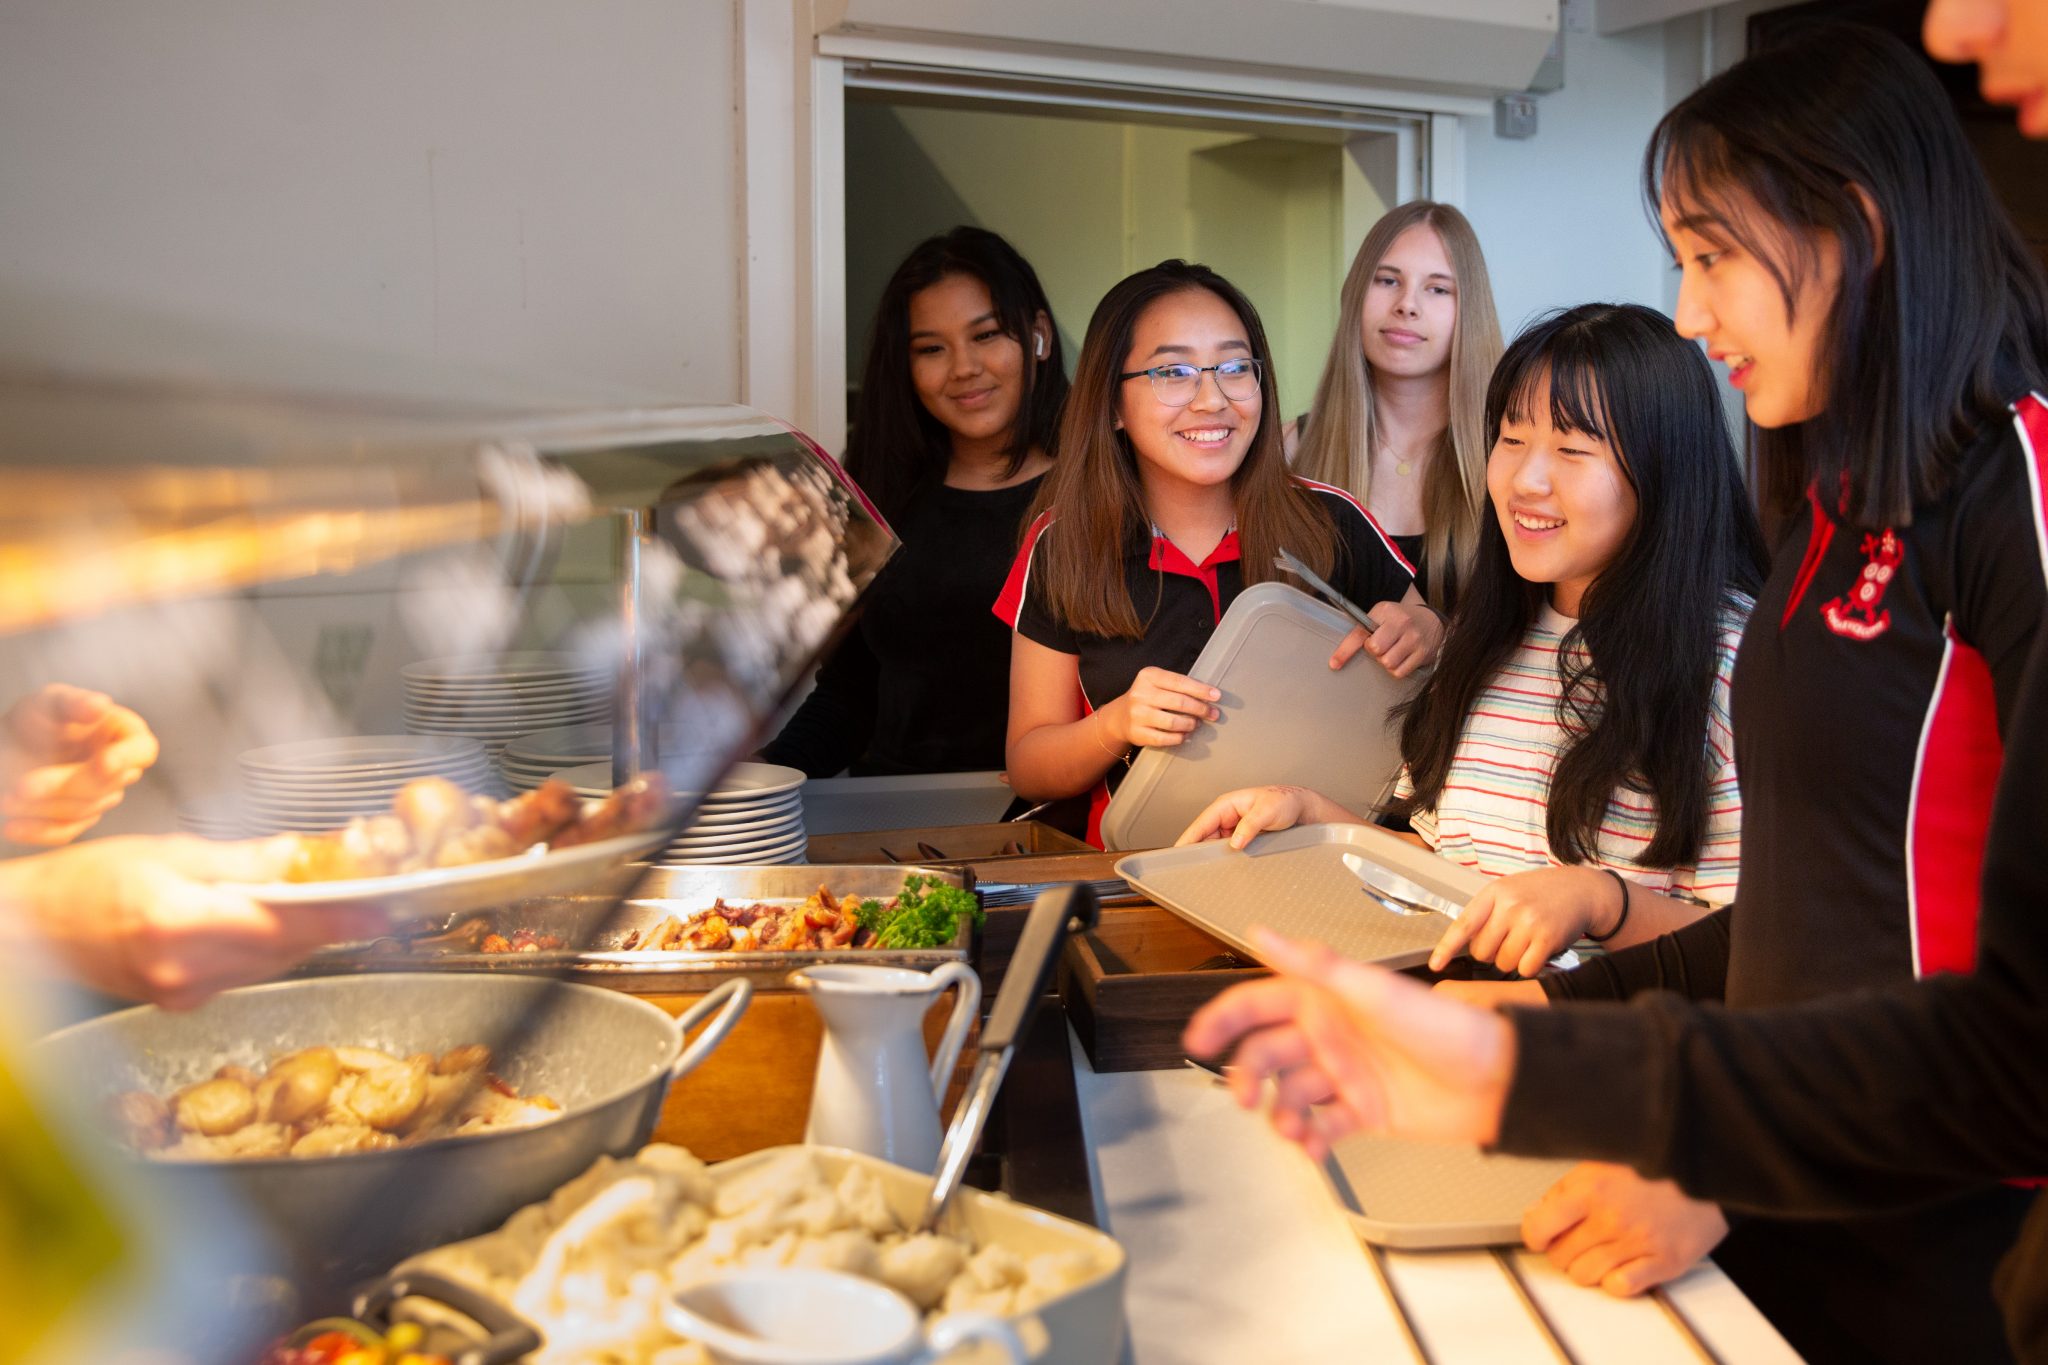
(478, 845)
(387, 1097)
(434, 810)
(214, 1107)
(639, 804)
(539, 814)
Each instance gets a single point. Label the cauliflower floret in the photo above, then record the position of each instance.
(920, 1267)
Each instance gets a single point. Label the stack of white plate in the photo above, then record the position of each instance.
(213, 819)
(321, 784)
(755, 816)
(496, 698)
(532, 759)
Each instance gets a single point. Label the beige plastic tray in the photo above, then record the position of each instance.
(1286, 717)
(1296, 882)
(1425, 1196)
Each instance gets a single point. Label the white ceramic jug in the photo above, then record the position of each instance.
(873, 1092)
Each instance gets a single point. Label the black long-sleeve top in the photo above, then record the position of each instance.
(1886, 1097)
(921, 683)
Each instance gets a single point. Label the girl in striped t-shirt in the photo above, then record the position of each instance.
(1574, 741)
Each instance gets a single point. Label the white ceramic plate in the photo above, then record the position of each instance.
(752, 842)
(788, 854)
(709, 818)
(354, 752)
(753, 782)
(451, 890)
(511, 664)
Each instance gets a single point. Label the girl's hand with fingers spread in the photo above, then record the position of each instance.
(1391, 1056)
(1161, 709)
(1242, 815)
(1520, 922)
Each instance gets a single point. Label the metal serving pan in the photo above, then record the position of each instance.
(658, 894)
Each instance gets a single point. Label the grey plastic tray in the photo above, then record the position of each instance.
(1286, 718)
(1297, 882)
(1421, 1195)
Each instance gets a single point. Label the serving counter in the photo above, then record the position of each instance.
(1238, 1252)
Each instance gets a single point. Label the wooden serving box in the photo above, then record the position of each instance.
(1131, 984)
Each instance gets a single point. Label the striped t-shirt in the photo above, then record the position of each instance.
(1490, 815)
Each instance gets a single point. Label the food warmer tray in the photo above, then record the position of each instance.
(1286, 717)
(598, 918)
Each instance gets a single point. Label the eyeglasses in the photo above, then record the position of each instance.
(1177, 385)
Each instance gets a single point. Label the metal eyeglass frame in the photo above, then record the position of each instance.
(1257, 370)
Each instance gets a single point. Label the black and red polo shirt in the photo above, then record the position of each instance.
(1875, 678)
(1182, 601)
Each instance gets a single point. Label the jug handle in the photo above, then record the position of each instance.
(965, 1007)
(733, 995)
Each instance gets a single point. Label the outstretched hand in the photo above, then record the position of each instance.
(1356, 1048)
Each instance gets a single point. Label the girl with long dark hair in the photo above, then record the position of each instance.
(1597, 629)
(1397, 418)
(1171, 496)
(952, 434)
(1841, 250)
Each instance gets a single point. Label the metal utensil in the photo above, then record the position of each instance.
(1398, 893)
(1287, 563)
(1054, 915)
(1108, 891)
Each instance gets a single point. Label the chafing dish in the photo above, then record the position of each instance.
(599, 924)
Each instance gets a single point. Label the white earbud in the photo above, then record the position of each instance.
(1038, 345)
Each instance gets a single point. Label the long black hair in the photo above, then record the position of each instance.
(896, 447)
(1942, 316)
(1638, 669)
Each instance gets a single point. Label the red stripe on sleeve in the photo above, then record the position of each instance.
(1010, 600)
(2030, 416)
(1950, 812)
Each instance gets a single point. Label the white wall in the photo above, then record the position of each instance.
(1560, 215)
(526, 184)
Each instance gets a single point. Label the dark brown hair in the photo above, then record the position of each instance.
(1926, 340)
(1094, 491)
(896, 447)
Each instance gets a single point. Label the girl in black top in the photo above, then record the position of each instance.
(1842, 251)
(952, 434)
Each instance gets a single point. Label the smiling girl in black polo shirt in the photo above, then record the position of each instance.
(1171, 495)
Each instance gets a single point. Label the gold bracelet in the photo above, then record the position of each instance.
(1114, 756)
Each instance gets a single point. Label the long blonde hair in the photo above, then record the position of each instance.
(1342, 426)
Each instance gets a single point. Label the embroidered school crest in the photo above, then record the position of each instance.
(1860, 613)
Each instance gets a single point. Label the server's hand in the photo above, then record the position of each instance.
(67, 756)
(158, 918)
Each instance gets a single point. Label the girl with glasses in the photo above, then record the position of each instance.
(1397, 414)
(952, 434)
(1170, 497)
(1842, 252)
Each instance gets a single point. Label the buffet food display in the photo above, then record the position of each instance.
(592, 1265)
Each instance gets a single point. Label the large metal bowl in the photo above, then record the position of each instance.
(607, 1058)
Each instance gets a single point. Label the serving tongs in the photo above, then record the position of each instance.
(1055, 914)
(1287, 563)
